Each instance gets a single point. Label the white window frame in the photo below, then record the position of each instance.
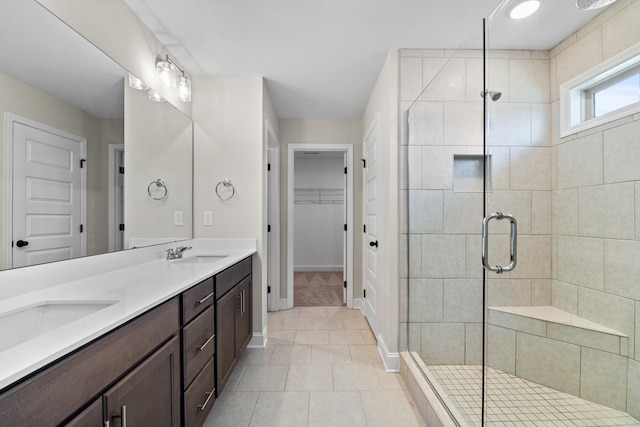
(574, 94)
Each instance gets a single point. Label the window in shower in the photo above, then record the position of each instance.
(613, 94)
(602, 94)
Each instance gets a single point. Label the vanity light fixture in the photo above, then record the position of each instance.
(155, 96)
(136, 83)
(524, 9)
(166, 70)
(172, 77)
(184, 88)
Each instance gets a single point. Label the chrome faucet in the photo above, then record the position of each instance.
(177, 252)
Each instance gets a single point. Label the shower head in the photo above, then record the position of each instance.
(592, 4)
(494, 95)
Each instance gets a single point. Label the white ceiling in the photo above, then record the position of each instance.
(321, 58)
(39, 50)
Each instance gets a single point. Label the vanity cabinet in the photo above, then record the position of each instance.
(163, 368)
(198, 350)
(70, 391)
(233, 318)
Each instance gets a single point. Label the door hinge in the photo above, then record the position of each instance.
(81, 228)
(121, 228)
(364, 163)
(345, 227)
(345, 284)
(121, 169)
(364, 228)
(82, 163)
(268, 166)
(269, 228)
(364, 292)
(268, 289)
(345, 170)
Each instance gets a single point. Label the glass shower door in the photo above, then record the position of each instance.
(441, 92)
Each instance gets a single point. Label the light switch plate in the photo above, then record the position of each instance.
(178, 218)
(207, 218)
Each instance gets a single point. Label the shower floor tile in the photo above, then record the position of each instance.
(512, 401)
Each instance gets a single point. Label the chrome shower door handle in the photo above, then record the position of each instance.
(513, 242)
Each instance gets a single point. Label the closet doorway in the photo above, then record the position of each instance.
(319, 242)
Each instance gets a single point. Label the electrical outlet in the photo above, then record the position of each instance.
(207, 218)
(178, 218)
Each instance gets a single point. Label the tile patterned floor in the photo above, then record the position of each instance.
(515, 402)
(320, 368)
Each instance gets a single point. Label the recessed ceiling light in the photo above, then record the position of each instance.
(524, 9)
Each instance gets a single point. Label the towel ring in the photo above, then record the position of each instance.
(226, 183)
(157, 190)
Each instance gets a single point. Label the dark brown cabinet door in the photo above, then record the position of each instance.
(226, 353)
(244, 315)
(150, 394)
(90, 417)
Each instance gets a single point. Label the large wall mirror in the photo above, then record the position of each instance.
(82, 152)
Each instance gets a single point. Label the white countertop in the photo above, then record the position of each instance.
(131, 290)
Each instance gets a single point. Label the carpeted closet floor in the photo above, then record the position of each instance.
(318, 288)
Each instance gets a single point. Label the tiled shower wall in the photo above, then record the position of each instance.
(596, 209)
(444, 192)
(577, 199)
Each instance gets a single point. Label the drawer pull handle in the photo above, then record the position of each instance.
(205, 298)
(206, 342)
(208, 394)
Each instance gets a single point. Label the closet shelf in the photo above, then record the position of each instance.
(318, 196)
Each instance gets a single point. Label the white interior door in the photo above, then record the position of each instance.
(345, 234)
(371, 194)
(273, 218)
(47, 198)
(119, 200)
(273, 234)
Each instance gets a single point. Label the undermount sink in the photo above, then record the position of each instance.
(200, 259)
(29, 322)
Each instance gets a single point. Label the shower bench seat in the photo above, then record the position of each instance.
(560, 350)
(553, 323)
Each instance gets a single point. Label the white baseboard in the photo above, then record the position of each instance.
(358, 303)
(258, 339)
(283, 304)
(391, 360)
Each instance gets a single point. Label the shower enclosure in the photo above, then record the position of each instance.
(548, 330)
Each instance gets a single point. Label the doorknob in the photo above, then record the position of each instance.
(21, 243)
(374, 243)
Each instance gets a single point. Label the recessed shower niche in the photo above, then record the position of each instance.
(468, 173)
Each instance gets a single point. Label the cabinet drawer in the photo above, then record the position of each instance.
(199, 397)
(199, 344)
(197, 299)
(230, 277)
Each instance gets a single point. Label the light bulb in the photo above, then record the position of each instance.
(166, 73)
(136, 83)
(184, 89)
(155, 96)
